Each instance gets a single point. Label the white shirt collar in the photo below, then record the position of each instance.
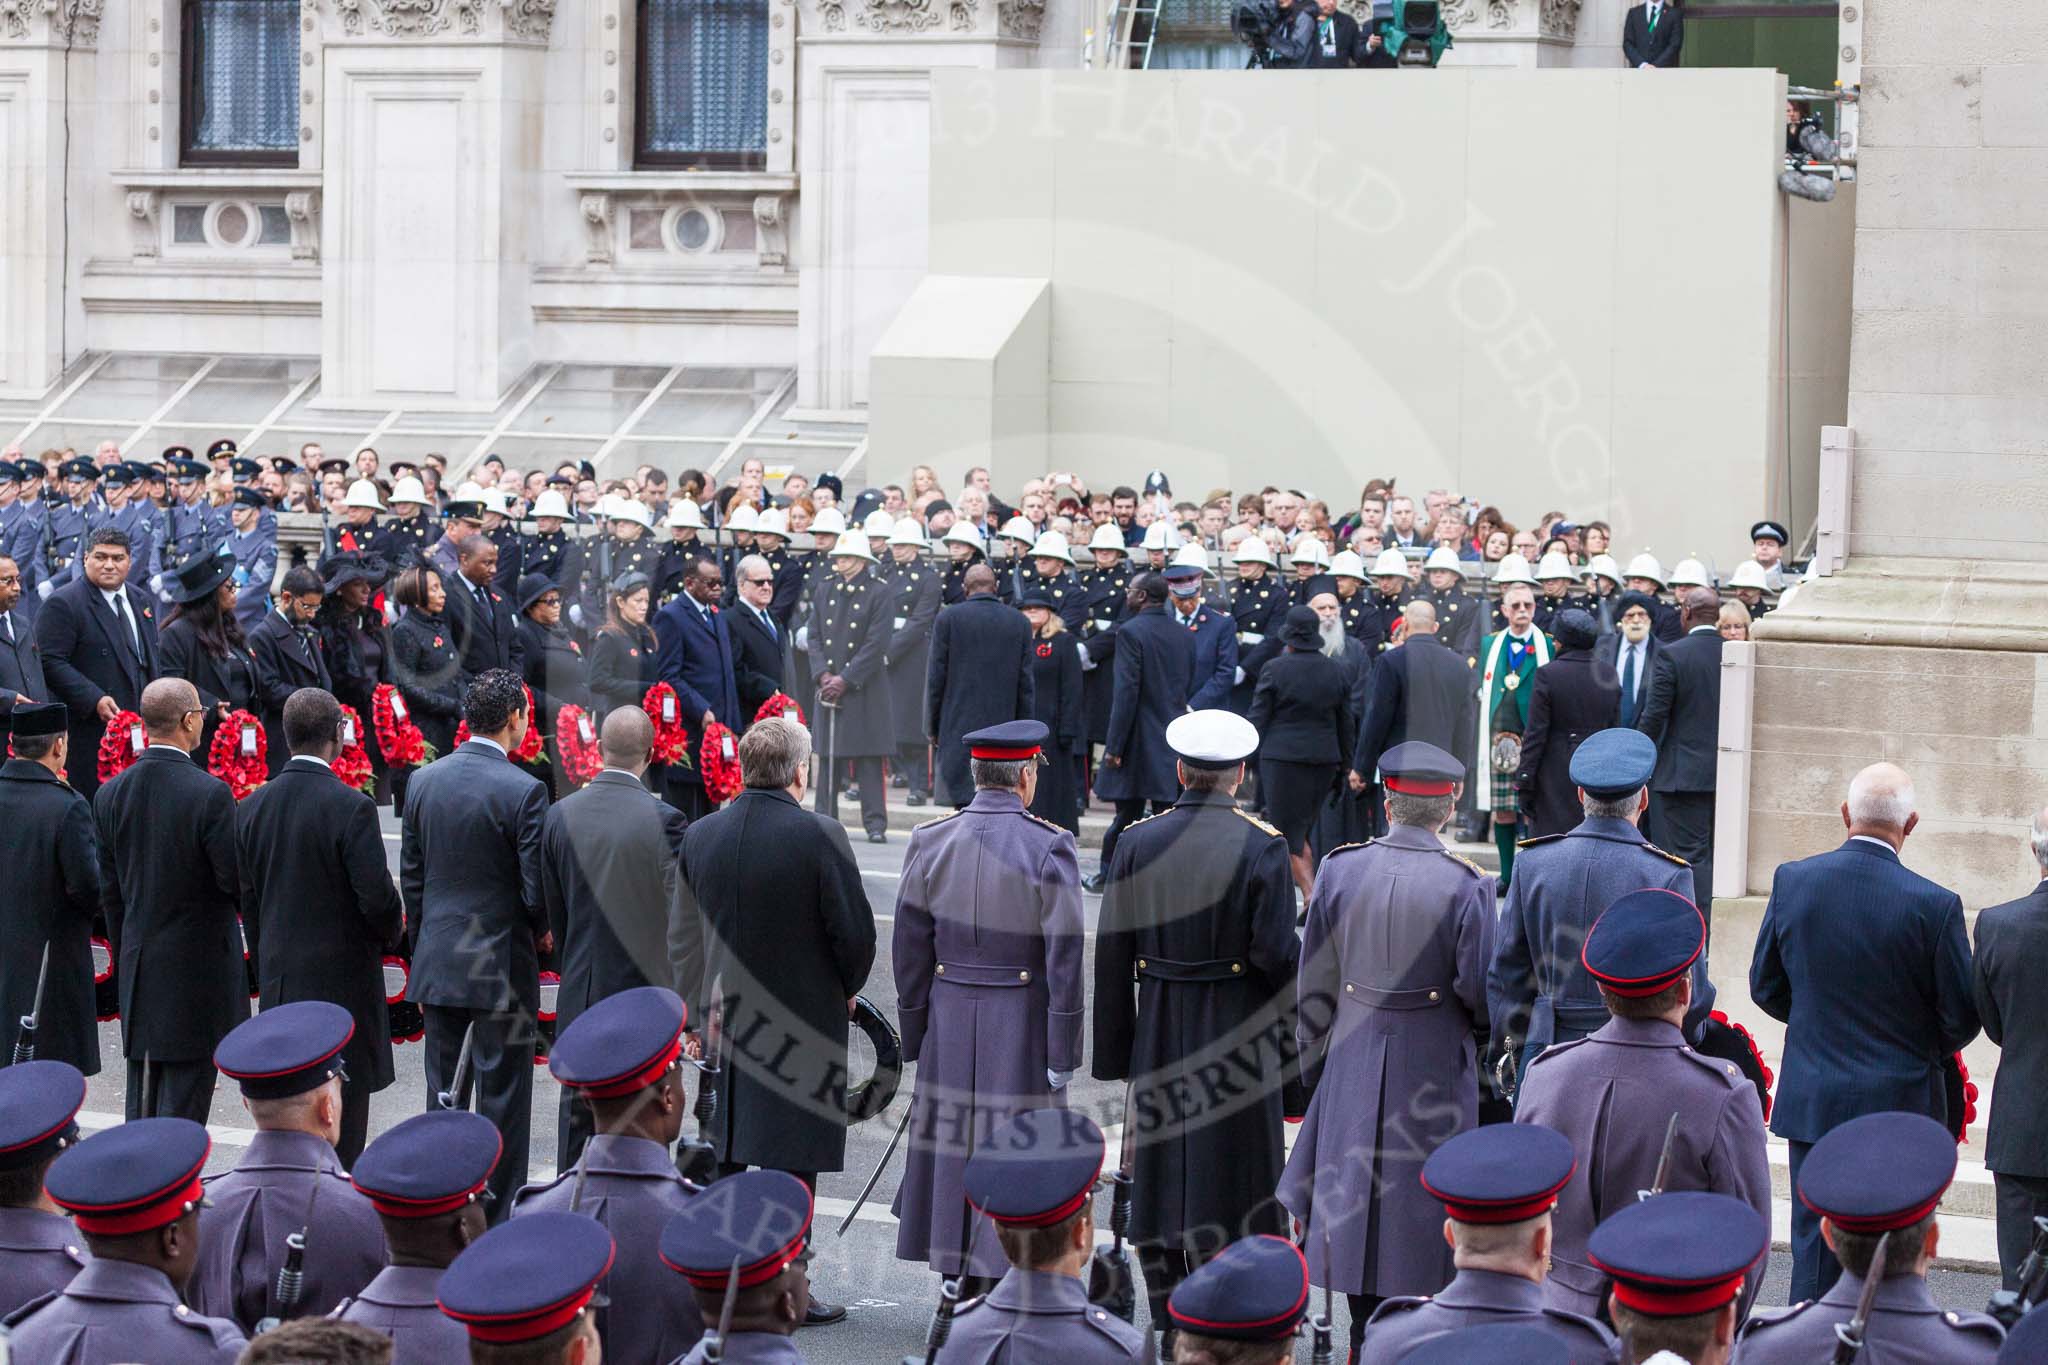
(491, 743)
(1873, 839)
(620, 771)
(153, 744)
(1697, 629)
(312, 758)
(110, 593)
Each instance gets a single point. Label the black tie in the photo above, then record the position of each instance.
(127, 621)
(769, 622)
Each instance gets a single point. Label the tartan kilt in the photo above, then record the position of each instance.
(1501, 785)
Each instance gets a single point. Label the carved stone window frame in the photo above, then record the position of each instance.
(612, 39)
(157, 71)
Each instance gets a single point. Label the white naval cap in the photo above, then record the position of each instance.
(1212, 739)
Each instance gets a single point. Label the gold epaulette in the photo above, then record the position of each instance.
(1477, 870)
(1342, 848)
(937, 819)
(1049, 824)
(1536, 839)
(1257, 821)
(1665, 854)
(1147, 819)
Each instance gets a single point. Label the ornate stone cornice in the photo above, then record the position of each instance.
(520, 21)
(1019, 19)
(60, 23)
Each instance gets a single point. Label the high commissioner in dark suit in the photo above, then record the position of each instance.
(1868, 965)
(21, 664)
(88, 655)
(470, 871)
(2012, 943)
(1420, 691)
(169, 887)
(608, 877)
(1683, 718)
(319, 911)
(696, 659)
(979, 675)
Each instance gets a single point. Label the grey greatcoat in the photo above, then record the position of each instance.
(990, 987)
(1907, 1327)
(1200, 916)
(1537, 990)
(402, 1304)
(630, 1186)
(39, 1253)
(265, 1199)
(53, 893)
(1034, 1316)
(749, 1348)
(1613, 1095)
(1476, 1298)
(1391, 991)
(114, 1311)
(849, 635)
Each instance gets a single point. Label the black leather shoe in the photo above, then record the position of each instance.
(875, 836)
(822, 1314)
(918, 799)
(898, 780)
(1093, 882)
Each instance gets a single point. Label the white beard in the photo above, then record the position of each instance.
(1333, 638)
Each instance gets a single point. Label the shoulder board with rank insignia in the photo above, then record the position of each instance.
(1148, 819)
(1040, 819)
(1665, 854)
(1534, 840)
(1477, 870)
(939, 819)
(1346, 848)
(1247, 815)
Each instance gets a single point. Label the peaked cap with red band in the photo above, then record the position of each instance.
(1879, 1173)
(1010, 742)
(1036, 1170)
(761, 1219)
(431, 1164)
(134, 1178)
(1418, 768)
(1501, 1173)
(1674, 1255)
(286, 1050)
(1644, 942)
(528, 1277)
(622, 1044)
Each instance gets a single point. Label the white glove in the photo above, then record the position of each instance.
(1058, 1079)
(576, 614)
(43, 590)
(1237, 679)
(803, 638)
(1086, 663)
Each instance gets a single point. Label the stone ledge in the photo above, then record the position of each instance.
(1921, 603)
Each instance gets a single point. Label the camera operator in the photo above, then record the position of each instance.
(1295, 38)
(1806, 139)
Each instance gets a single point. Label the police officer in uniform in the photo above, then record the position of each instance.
(526, 1286)
(1199, 912)
(987, 956)
(191, 523)
(626, 548)
(403, 540)
(1258, 605)
(1678, 1262)
(1498, 1185)
(129, 510)
(134, 1193)
(1878, 1175)
(1614, 1092)
(1538, 991)
(255, 550)
(848, 639)
(623, 1058)
(426, 1180)
(40, 1250)
(64, 530)
(685, 547)
(761, 1221)
(1391, 1010)
(288, 1062)
(1252, 1296)
(1034, 1178)
(21, 533)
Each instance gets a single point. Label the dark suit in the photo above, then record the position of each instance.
(53, 893)
(2012, 943)
(470, 871)
(1574, 696)
(608, 872)
(695, 658)
(287, 659)
(1639, 44)
(1607, 649)
(1343, 47)
(1155, 672)
(1215, 670)
(786, 978)
(979, 675)
(1419, 691)
(228, 677)
(21, 665)
(760, 657)
(320, 913)
(87, 654)
(170, 890)
(1868, 965)
(486, 634)
(1683, 716)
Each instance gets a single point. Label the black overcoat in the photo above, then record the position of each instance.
(52, 896)
(1574, 695)
(1202, 897)
(772, 910)
(229, 677)
(1155, 662)
(319, 906)
(84, 659)
(1056, 701)
(1420, 690)
(979, 675)
(170, 890)
(287, 659)
(427, 668)
(621, 668)
(760, 658)
(849, 635)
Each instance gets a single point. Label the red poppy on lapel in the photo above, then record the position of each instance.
(437, 642)
(1045, 651)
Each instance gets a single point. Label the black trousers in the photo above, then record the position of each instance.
(1127, 814)
(1363, 1306)
(913, 760)
(501, 1063)
(2021, 1199)
(1814, 1267)
(1163, 1267)
(1685, 826)
(355, 1123)
(177, 1090)
(573, 1127)
(874, 791)
(687, 797)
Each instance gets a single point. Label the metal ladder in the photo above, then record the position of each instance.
(1126, 19)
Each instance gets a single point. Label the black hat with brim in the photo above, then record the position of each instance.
(199, 576)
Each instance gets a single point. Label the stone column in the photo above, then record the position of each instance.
(431, 147)
(37, 41)
(1518, 33)
(864, 95)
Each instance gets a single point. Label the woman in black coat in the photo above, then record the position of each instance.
(426, 665)
(624, 660)
(1302, 711)
(555, 671)
(355, 643)
(1056, 701)
(202, 643)
(1574, 696)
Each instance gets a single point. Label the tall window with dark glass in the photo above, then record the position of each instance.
(703, 84)
(240, 83)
